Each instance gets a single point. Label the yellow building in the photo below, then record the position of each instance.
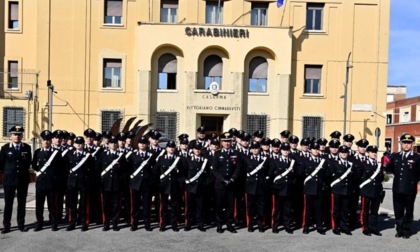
(180, 64)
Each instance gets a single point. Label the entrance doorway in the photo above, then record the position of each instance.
(212, 124)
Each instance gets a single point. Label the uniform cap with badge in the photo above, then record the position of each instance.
(122, 136)
(143, 140)
(259, 133)
(72, 136)
(58, 134)
(89, 133)
(183, 135)
(130, 134)
(183, 141)
(314, 146)
(113, 139)
(285, 133)
(348, 138)
(294, 139)
(226, 136)
(16, 130)
(372, 148)
(285, 146)
(234, 131)
(322, 141)
(265, 141)
(334, 143)
(363, 143)
(246, 137)
(106, 134)
(201, 130)
(335, 134)
(46, 135)
(343, 149)
(198, 146)
(155, 135)
(255, 145)
(407, 138)
(275, 142)
(170, 144)
(79, 140)
(215, 142)
(305, 142)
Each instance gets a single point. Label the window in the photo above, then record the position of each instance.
(214, 12)
(168, 11)
(314, 13)
(312, 127)
(13, 16)
(259, 14)
(258, 75)
(167, 121)
(312, 79)
(213, 71)
(389, 119)
(256, 122)
(12, 116)
(405, 117)
(113, 11)
(388, 142)
(167, 67)
(108, 118)
(112, 73)
(12, 80)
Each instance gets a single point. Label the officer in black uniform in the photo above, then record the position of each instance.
(315, 172)
(111, 164)
(343, 173)
(322, 142)
(60, 181)
(15, 160)
(258, 136)
(182, 149)
(371, 190)
(348, 141)
(294, 141)
(209, 205)
(265, 147)
(80, 162)
(226, 169)
(234, 133)
(125, 178)
(256, 168)
(170, 171)
(239, 211)
(130, 135)
(46, 162)
(282, 175)
(201, 138)
(406, 168)
(197, 169)
(157, 152)
(141, 164)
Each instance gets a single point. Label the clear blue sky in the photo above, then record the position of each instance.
(404, 45)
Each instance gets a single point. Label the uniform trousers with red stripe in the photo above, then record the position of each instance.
(255, 209)
(193, 204)
(312, 210)
(166, 214)
(138, 198)
(282, 208)
(111, 206)
(72, 201)
(369, 213)
(40, 197)
(340, 212)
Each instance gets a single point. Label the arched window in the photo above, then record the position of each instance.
(258, 75)
(213, 71)
(167, 68)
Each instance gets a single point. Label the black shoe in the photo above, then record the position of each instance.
(219, 230)
(250, 229)
(23, 229)
(261, 229)
(201, 228)
(133, 228)
(232, 230)
(5, 231)
(115, 228)
(375, 232)
(347, 232)
(398, 235)
(54, 228)
(289, 231)
(105, 228)
(71, 227)
(305, 231)
(38, 228)
(187, 228)
(162, 229)
(275, 231)
(406, 236)
(321, 232)
(84, 228)
(336, 232)
(148, 228)
(366, 232)
(175, 229)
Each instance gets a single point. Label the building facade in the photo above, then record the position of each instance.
(182, 64)
(402, 116)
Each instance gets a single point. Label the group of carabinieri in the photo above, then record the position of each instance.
(248, 180)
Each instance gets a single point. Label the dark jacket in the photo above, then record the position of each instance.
(374, 188)
(406, 172)
(143, 180)
(315, 185)
(192, 168)
(226, 167)
(79, 179)
(283, 186)
(345, 186)
(256, 184)
(48, 178)
(169, 184)
(111, 181)
(15, 164)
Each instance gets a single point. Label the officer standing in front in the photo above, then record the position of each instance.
(226, 169)
(15, 160)
(406, 168)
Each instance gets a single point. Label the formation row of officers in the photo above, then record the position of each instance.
(249, 180)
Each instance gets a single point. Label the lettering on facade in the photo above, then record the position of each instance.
(214, 108)
(216, 32)
(214, 97)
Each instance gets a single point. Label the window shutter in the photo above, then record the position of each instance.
(258, 68)
(313, 72)
(213, 66)
(113, 64)
(13, 68)
(114, 8)
(170, 4)
(14, 11)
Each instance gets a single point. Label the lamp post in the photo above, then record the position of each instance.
(50, 103)
(346, 83)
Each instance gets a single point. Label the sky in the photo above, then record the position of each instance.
(404, 45)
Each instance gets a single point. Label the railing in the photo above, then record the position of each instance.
(20, 84)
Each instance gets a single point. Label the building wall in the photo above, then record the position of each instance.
(69, 45)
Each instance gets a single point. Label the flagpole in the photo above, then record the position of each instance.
(282, 16)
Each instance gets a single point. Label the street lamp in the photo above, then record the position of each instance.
(348, 66)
